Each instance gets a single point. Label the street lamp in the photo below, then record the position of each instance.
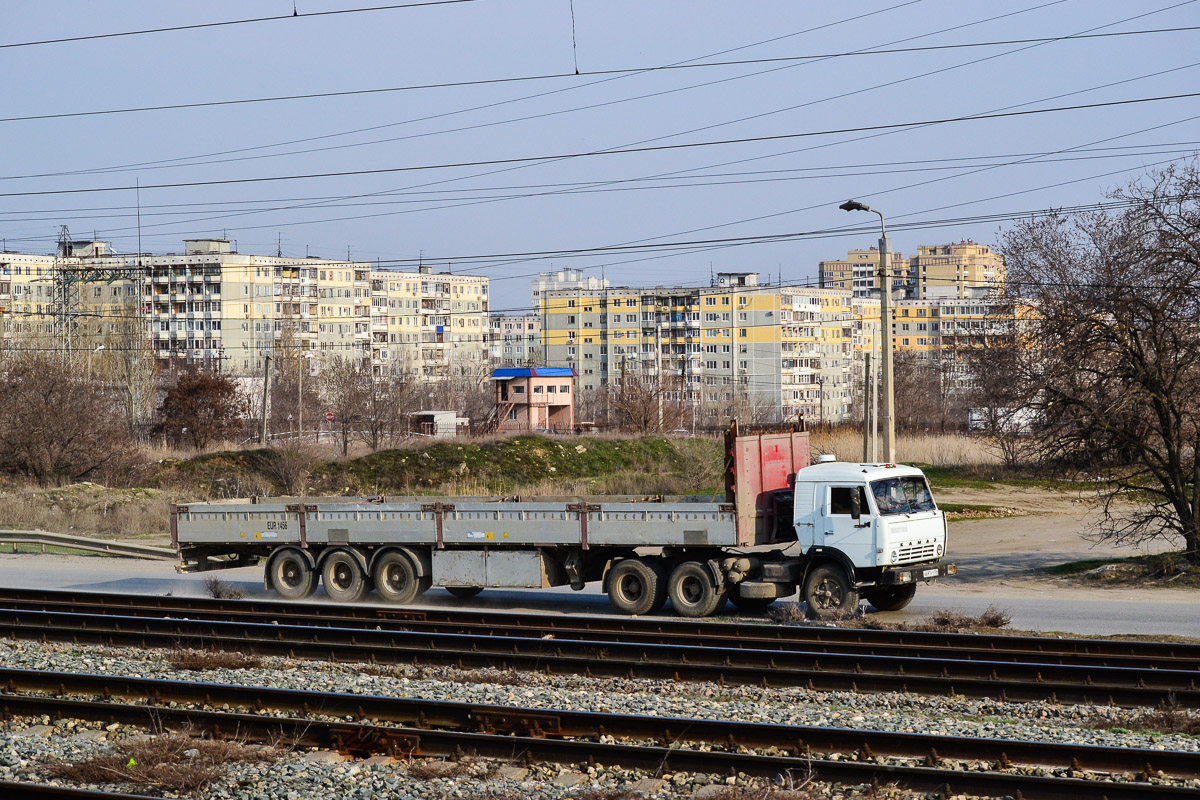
(885, 321)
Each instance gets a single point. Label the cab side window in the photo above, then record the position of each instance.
(840, 498)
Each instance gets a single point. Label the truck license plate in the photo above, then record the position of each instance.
(929, 573)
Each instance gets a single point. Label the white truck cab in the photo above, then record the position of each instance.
(868, 527)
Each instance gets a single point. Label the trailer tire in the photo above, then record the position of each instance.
(692, 592)
(396, 578)
(891, 598)
(343, 576)
(463, 592)
(637, 586)
(828, 592)
(290, 573)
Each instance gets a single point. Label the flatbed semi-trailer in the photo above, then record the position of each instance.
(835, 531)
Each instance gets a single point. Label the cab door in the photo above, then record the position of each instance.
(842, 530)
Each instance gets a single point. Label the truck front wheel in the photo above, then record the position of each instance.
(890, 598)
(637, 586)
(291, 575)
(692, 592)
(343, 577)
(828, 592)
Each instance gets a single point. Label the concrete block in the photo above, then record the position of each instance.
(325, 757)
(377, 761)
(34, 731)
(569, 779)
(648, 785)
(513, 773)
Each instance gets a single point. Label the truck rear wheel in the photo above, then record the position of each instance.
(828, 592)
(691, 590)
(463, 592)
(891, 598)
(396, 578)
(343, 577)
(637, 586)
(291, 575)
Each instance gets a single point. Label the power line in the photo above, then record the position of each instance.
(623, 151)
(586, 73)
(226, 23)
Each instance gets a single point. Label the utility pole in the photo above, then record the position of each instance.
(866, 406)
(300, 390)
(885, 322)
(262, 437)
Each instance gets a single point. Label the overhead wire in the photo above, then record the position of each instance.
(229, 22)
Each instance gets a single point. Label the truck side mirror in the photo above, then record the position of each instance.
(855, 505)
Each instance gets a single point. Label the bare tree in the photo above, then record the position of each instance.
(384, 408)
(201, 408)
(1116, 299)
(58, 424)
(346, 391)
(646, 404)
(925, 394)
(126, 363)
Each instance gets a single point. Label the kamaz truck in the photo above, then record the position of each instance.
(836, 532)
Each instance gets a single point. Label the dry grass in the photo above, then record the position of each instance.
(170, 762)
(1167, 718)
(943, 621)
(87, 508)
(220, 590)
(199, 660)
(939, 450)
(428, 770)
(473, 677)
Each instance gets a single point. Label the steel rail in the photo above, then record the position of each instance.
(48, 792)
(1019, 682)
(596, 625)
(366, 739)
(860, 743)
(745, 639)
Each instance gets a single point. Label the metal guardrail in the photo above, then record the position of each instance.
(87, 543)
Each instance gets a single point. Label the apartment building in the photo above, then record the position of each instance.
(859, 273)
(223, 310)
(764, 352)
(957, 270)
(516, 340)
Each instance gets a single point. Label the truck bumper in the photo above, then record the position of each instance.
(899, 576)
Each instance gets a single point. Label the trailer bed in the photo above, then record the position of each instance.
(447, 523)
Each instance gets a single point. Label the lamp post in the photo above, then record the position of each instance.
(887, 413)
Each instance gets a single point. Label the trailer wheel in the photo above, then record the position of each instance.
(291, 575)
(396, 578)
(891, 598)
(828, 592)
(691, 590)
(637, 586)
(464, 592)
(343, 577)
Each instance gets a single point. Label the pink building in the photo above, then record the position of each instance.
(528, 398)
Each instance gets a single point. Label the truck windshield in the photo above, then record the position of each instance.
(902, 495)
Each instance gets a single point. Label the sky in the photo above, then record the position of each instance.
(491, 156)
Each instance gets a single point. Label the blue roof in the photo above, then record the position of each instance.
(533, 372)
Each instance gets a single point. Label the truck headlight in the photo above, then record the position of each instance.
(939, 550)
(895, 556)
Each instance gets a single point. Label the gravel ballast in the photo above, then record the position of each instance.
(298, 775)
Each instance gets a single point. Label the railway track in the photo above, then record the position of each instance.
(430, 728)
(669, 630)
(714, 659)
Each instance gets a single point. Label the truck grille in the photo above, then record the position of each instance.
(920, 552)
